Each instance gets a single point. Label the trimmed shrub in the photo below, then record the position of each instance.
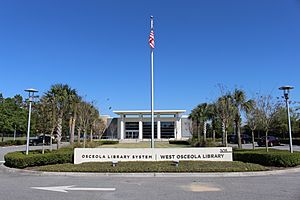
(277, 158)
(103, 142)
(35, 158)
(163, 166)
(12, 142)
(179, 142)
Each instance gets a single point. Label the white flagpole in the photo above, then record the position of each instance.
(152, 90)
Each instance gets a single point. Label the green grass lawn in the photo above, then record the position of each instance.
(144, 145)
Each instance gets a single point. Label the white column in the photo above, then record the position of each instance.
(178, 127)
(122, 127)
(141, 128)
(158, 127)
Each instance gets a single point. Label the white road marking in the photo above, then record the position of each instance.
(71, 188)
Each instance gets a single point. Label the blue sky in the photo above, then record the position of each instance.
(100, 48)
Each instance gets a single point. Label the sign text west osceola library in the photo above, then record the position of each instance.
(82, 155)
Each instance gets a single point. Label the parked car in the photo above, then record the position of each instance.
(39, 140)
(244, 139)
(272, 141)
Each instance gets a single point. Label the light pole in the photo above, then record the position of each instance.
(31, 97)
(286, 91)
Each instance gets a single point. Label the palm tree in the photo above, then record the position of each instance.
(60, 95)
(194, 118)
(200, 115)
(212, 115)
(240, 104)
(49, 100)
(204, 113)
(74, 103)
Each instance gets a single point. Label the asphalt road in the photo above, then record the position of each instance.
(5, 150)
(20, 185)
(281, 147)
(279, 187)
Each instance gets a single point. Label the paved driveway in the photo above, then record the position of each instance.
(28, 186)
(281, 147)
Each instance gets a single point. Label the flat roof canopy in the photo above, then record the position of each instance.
(140, 112)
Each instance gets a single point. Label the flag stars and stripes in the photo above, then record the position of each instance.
(151, 39)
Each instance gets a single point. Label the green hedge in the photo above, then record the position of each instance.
(12, 142)
(277, 158)
(103, 142)
(179, 142)
(35, 158)
(287, 141)
(144, 167)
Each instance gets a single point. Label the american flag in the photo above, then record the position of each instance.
(151, 39)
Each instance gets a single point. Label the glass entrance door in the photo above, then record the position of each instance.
(132, 134)
(132, 130)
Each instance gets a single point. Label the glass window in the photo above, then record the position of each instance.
(132, 126)
(167, 116)
(132, 116)
(167, 129)
(147, 130)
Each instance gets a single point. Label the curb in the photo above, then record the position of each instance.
(143, 175)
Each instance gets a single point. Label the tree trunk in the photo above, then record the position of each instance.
(70, 130)
(226, 143)
(253, 146)
(214, 135)
(204, 132)
(84, 136)
(73, 128)
(238, 133)
(223, 133)
(43, 148)
(198, 132)
(91, 135)
(267, 147)
(78, 135)
(51, 140)
(59, 130)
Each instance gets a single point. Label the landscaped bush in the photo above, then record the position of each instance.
(179, 142)
(12, 142)
(103, 142)
(141, 167)
(287, 141)
(276, 158)
(35, 158)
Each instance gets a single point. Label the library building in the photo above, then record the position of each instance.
(136, 125)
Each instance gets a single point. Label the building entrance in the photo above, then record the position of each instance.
(132, 134)
(131, 130)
